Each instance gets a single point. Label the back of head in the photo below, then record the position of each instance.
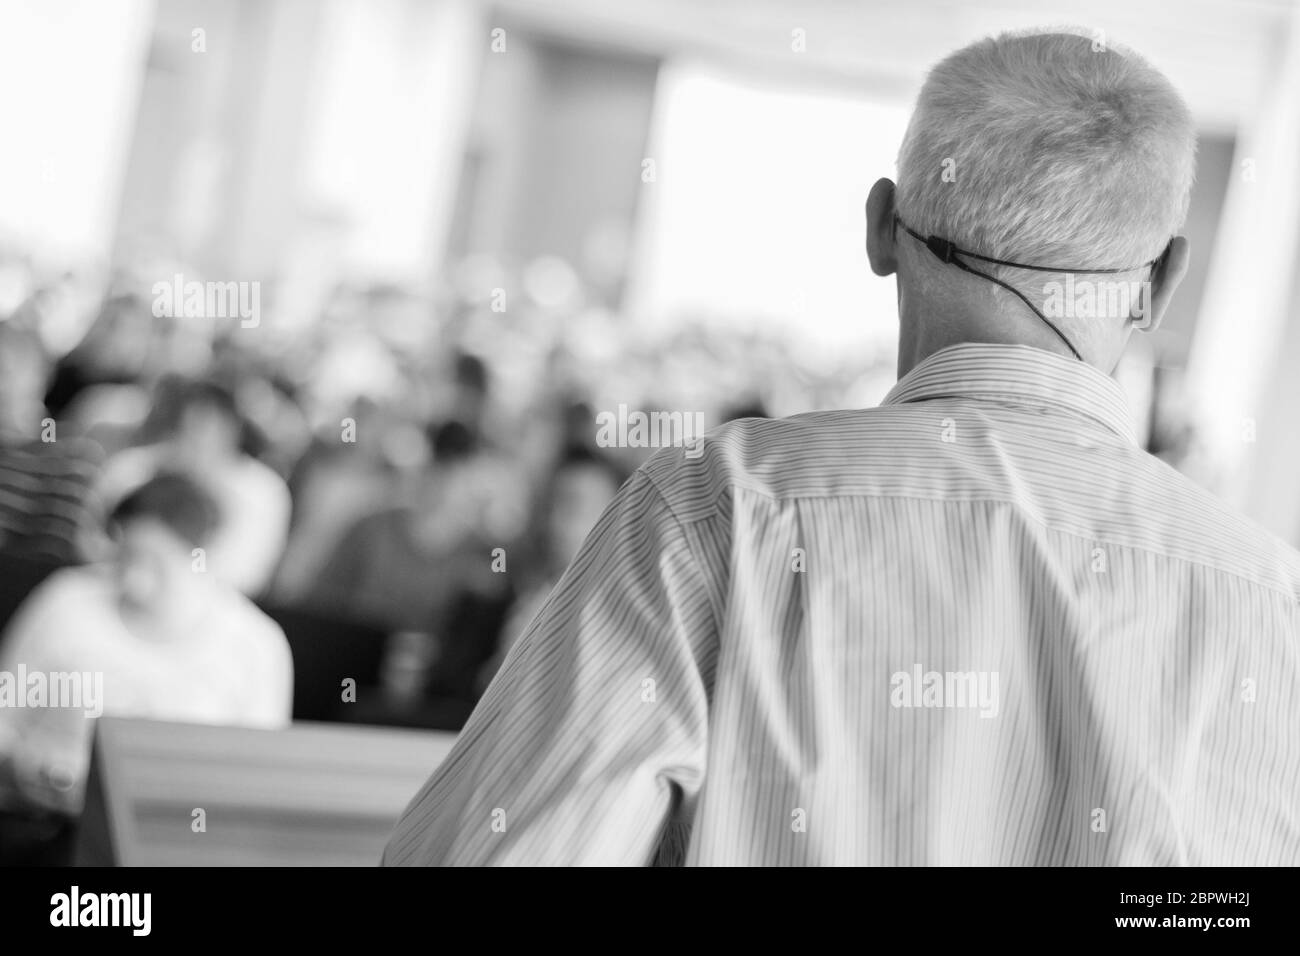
(209, 397)
(451, 443)
(471, 373)
(1045, 148)
(176, 502)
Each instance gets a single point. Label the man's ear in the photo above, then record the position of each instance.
(881, 240)
(1165, 277)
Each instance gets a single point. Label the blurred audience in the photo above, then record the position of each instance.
(149, 634)
(347, 471)
(201, 435)
(401, 565)
(335, 498)
(580, 488)
(45, 477)
(119, 348)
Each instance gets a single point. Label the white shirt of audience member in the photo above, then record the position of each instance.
(223, 662)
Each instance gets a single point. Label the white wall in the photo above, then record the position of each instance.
(70, 74)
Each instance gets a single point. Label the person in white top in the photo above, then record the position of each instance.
(151, 634)
(205, 443)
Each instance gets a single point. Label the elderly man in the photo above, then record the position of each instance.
(975, 625)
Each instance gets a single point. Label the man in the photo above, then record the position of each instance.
(151, 634)
(976, 625)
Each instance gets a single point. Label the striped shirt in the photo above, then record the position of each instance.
(46, 504)
(976, 625)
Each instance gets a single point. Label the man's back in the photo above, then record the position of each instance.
(1014, 638)
(977, 625)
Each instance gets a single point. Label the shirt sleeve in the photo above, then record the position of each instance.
(42, 638)
(593, 735)
(270, 702)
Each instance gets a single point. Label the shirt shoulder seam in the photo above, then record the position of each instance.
(686, 540)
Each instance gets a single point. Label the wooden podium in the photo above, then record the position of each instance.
(310, 795)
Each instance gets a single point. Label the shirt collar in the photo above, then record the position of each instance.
(1020, 374)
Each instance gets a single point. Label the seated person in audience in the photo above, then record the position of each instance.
(403, 567)
(472, 393)
(152, 634)
(119, 348)
(203, 441)
(336, 481)
(45, 476)
(583, 483)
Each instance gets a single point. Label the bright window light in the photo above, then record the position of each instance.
(755, 215)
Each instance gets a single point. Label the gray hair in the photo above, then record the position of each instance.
(1048, 148)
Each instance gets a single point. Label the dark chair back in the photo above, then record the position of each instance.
(328, 649)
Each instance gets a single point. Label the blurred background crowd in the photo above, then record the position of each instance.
(471, 228)
(426, 484)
